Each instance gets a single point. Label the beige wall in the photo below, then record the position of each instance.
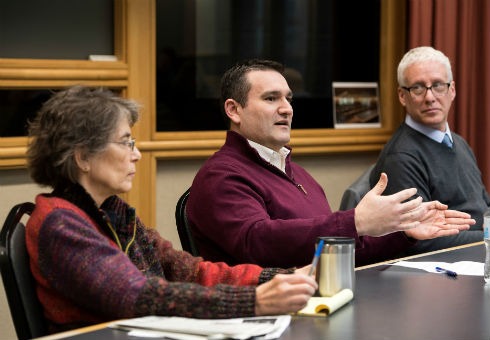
(333, 172)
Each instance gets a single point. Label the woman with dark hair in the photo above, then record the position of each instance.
(93, 259)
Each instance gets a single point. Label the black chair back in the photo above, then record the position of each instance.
(356, 191)
(183, 227)
(19, 285)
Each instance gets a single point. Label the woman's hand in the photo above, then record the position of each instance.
(285, 293)
(304, 270)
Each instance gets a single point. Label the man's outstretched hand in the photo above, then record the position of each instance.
(439, 221)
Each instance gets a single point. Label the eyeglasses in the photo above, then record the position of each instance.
(418, 91)
(129, 143)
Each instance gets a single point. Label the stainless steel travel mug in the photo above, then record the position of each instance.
(335, 267)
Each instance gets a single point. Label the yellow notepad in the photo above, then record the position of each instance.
(323, 306)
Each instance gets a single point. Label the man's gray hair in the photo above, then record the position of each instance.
(423, 53)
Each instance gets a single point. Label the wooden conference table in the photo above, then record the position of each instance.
(390, 302)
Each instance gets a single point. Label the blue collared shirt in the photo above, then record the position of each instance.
(433, 134)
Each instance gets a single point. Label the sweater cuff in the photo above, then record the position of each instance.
(268, 273)
(236, 301)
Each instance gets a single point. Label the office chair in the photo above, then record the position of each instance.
(25, 308)
(183, 226)
(356, 191)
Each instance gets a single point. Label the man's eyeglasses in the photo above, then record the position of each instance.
(129, 143)
(438, 89)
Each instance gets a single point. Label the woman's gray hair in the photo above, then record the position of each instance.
(422, 53)
(80, 118)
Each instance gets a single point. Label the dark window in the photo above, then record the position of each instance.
(56, 29)
(319, 41)
(17, 108)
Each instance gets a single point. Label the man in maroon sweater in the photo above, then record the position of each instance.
(250, 203)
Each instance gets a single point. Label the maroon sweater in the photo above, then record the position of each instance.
(245, 210)
(83, 277)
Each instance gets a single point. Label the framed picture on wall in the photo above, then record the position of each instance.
(356, 105)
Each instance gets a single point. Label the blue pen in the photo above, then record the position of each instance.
(447, 272)
(318, 251)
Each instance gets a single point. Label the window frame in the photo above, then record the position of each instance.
(134, 74)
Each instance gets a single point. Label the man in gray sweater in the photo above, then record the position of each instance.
(423, 153)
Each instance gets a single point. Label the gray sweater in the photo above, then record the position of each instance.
(449, 175)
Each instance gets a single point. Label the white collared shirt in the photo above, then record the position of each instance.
(433, 134)
(278, 159)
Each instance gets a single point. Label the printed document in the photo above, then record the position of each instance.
(263, 327)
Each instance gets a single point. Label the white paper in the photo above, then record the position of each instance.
(461, 267)
(142, 333)
(100, 57)
(266, 327)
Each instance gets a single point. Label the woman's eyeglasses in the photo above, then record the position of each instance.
(129, 143)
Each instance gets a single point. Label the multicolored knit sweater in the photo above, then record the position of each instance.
(85, 277)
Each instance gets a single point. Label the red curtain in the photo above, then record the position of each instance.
(461, 29)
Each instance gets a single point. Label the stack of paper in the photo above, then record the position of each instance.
(268, 327)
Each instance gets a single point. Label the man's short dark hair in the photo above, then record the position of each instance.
(234, 83)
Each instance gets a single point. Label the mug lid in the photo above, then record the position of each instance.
(336, 240)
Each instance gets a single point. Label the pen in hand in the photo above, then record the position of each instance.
(318, 251)
(447, 272)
